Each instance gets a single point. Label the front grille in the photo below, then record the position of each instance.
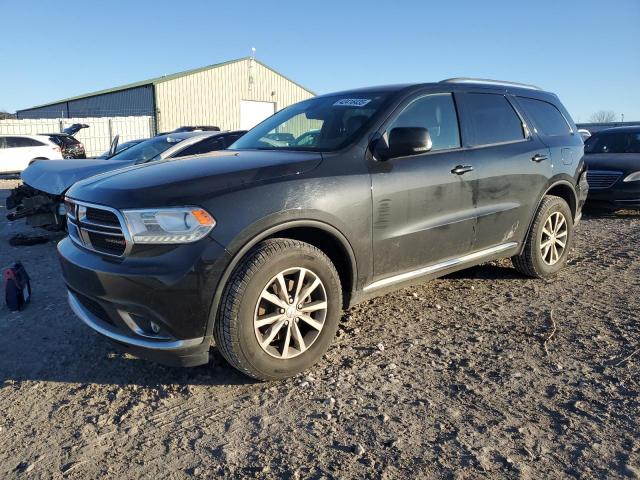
(96, 228)
(601, 179)
(102, 216)
(114, 245)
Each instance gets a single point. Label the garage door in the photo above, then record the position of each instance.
(252, 113)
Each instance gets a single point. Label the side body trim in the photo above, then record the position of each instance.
(439, 266)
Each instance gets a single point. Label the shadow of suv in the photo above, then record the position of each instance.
(259, 247)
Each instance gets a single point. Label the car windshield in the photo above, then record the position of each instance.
(613, 142)
(320, 124)
(147, 150)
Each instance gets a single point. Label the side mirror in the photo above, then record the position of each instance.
(407, 141)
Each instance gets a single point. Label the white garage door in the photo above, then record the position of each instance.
(252, 113)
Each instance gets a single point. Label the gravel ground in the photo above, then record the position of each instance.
(483, 374)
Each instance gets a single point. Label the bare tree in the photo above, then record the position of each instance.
(603, 116)
(6, 115)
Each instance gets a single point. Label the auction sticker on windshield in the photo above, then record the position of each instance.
(352, 102)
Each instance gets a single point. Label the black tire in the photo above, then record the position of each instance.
(234, 331)
(531, 262)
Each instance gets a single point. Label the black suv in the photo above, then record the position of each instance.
(260, 247)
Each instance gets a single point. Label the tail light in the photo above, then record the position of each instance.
(56, 149)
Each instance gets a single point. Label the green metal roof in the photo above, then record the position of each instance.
(156, 80)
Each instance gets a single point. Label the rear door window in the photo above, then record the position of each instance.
(547, 118)
(492, 119)
(436, 113)
(21, 142)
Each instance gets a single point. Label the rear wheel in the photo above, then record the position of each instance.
(549, 240)
(280, 309)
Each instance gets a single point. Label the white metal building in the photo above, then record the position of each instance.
(232, 95)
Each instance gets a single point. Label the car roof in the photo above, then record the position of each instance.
(625, 129)
(454, 83)
(185, 135)
(35, 135)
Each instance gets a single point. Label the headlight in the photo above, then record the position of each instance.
(168, 225)
(632, 177)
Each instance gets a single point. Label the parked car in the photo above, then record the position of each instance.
(613, 161)
(40, 199)
(259, 247)
(118, 147)
(17, 152)
(70, 146)
(194, 128)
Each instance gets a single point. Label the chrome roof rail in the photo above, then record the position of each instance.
(487, 81)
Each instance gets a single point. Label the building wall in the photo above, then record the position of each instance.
(123, 103)
(212, 97)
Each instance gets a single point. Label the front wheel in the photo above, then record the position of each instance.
(280, 309)
(549, 240)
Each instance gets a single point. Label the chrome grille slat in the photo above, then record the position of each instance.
(602, 179)
(102, 232)
(101, 237)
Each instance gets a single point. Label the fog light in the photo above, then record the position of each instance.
(155, 327)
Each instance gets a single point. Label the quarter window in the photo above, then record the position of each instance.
(547, 118)
(436, 113)
(492, 119)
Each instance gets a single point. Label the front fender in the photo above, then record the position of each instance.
(268, 227)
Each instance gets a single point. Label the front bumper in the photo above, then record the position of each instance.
(155, 304)
(41, 209)
(582, 192)
(619, 196)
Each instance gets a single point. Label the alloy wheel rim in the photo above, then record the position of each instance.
(553, 239)
(290, 313)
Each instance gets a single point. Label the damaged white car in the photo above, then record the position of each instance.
(40, 198)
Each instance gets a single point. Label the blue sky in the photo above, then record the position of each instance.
(587, 51)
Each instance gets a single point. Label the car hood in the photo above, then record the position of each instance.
(55, 177)
(624, 162)
(190, 180)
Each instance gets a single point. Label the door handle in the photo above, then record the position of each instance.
(539, 158)
(461, 169)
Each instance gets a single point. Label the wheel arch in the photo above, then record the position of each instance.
(566, 191)
(36, 159)
(322, 235)
(560, 188)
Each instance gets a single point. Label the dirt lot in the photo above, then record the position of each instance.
(464, 377)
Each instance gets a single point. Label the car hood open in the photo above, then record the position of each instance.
(190, 180)
(55, 177)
